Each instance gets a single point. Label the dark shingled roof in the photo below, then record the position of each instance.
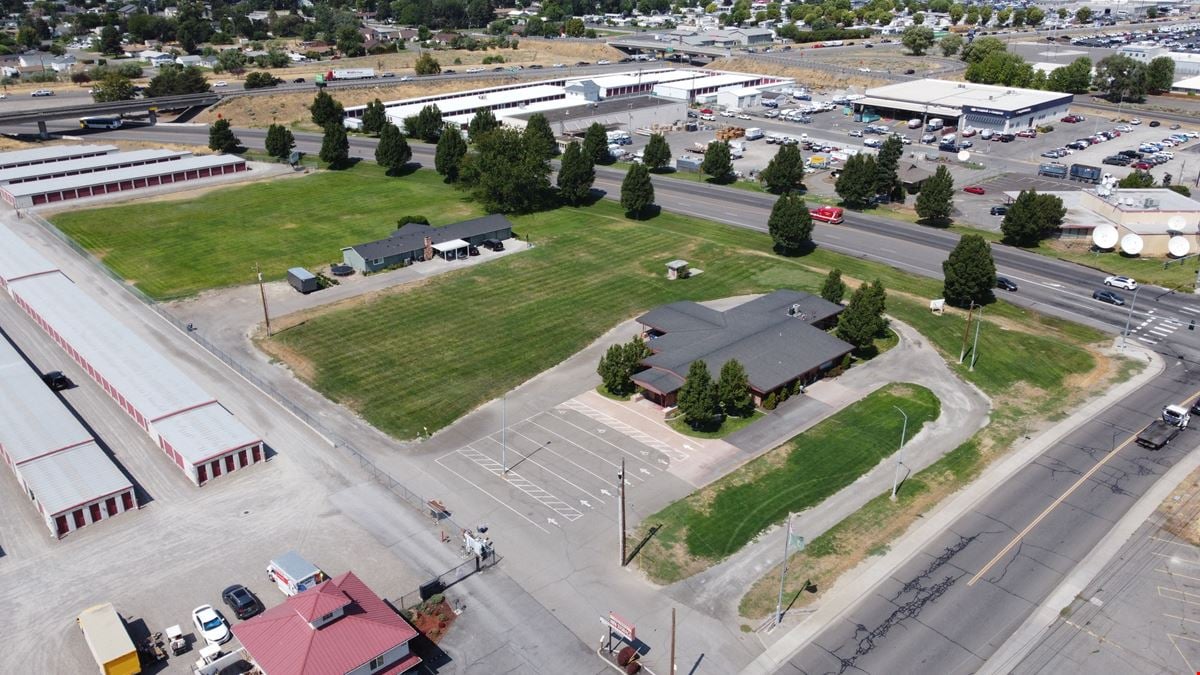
(772, 341)
(411, 236)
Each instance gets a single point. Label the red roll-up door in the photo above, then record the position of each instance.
(216, 468)
(110, 506)
(60, 524)
(229, 467)
(241, 458)
(202, 472)
(95, 509)
(127, 500)
(78, 514)
(256, 453)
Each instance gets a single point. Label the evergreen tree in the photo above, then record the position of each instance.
(697, 398)
(887, 169)
(785, 171)
(575, 175)
(425, 125)
(539, 138)
(280, 141)
(335, 146)
(657, 154)
(717, 162)
(970, 273)
(508, 178)
(451, 148)
(482, 122)
(632, 355)
(392, 152)
(427, 65)
(1031, 218)
(733, 389)
(221, 138)
(856, 185)
(637, 192)
(374, 117)
(877, 302)
(834, 289)
(595, 144)
(790, 224)
(612, 370)
(858, 324)
(325, 110)
(935, 200)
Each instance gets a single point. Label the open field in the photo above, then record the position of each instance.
(817, 78)
(720, 518)
(176, 248)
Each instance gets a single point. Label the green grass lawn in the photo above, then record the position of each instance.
(719, 519)
(728, 426)
(171, 249)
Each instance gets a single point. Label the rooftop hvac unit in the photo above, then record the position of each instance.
(1150, 203)
(796, 312)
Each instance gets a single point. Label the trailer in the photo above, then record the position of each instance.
(1085, 173)
(108, 640)
(302, 280)
(351, 74)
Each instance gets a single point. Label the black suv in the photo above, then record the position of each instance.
(1131, 154)
(493, 244)
(56, 380)
(1006, 284)
(999, 210)
(241, 601)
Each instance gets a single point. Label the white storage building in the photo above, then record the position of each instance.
(52, 153)
(72, 167)
(706, 86)
(66, 475)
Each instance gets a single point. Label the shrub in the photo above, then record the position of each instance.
(769, 402)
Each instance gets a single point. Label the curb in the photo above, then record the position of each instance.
(856, 584)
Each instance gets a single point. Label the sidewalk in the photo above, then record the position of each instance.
(856, 584)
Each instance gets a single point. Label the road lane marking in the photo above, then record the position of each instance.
(1177, 574)
(1177, 543)
(498, 500)
(535, 492)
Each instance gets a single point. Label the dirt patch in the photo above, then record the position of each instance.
(432, 618)
(815, 78)
(289, 358)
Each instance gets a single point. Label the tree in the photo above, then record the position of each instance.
(221, 138)
(733, 389)
(595, 144)
(790, 224)
(350, 41)
(335, 146)
(970, 273)
(611, 369)
(1031, 218)
(1083, 15)
(979, 49)
(1034, 16)
(114, 87)
(427, 65)
(109, 43)
(657, 154)
(260, 80)
(1004, 68)
(637, 192)
(173, 80)
(834, 289)
(934, 202)
(539, 138)
(1160, 74)
(1136, 179)
(697, 398)
(717, 162)
(325, 110)
(425, 125)
(392, 152)
(575, 175)
(856, 185)
(509, 178)
(785, 171)
(860, 322)
(374, 117)
(887, 169)
(451, 148)
(951, 44)
(280, 141)
(917, 39)
(482, 122)
(1074, 78)
(1121, 78)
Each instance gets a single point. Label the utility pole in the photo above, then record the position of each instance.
(1129, 316)
(975, 347)
(263, 294)
(672, 670)
(966, 333)
(899, 453)
(787, 540)
(621, 519)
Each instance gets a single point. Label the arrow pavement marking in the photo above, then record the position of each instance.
(606, 493)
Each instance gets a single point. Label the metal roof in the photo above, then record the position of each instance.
(958, 94)
(635, 78)
(200, 434)
(18, 259)
(451, 245)
(115, 175)
(51, 153)
(411, 236)
(721, 80)
(496, 100)
(86, 164)
(69, 479)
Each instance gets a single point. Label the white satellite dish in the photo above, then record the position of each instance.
(1178, 246)
(1176, 223)
(1104, 236)
(1131, 244)
(963, 155)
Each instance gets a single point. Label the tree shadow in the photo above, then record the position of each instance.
(647, 213)
(408, 169)
(348, 163)
(795, 252)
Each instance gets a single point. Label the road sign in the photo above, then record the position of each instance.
(622, 627)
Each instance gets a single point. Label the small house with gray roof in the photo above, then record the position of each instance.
(779, 338)
(414, 242)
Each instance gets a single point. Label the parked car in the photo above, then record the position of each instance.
(220, 83)
(1109, 297)
(493, 244)
(1155, 123)
(42, 92)
(1027, 133)
(1116, 160)
(211, 625)
(1135, 121)
(1131, 154)
(975, 190)
(910, 71)
(999, 210)
(298, 80)
(1174, 127)
(1070, 119)
(857, 133)
(56, 380)
(1121, 282)
(241, 601)
(1143, 166)
(1006, 284)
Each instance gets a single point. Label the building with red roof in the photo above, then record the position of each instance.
(338, 628)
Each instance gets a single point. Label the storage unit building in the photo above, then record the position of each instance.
(23, 195)
(199, 435)
(415, 241)
(52, 153)
(981, 106)
(119, 160)
(62, 470)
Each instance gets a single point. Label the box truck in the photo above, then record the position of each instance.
(293, 574)
(108, 640)
(935, 124)
(754, 133)
(350, 74)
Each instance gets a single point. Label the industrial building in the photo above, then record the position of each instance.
(981, 106)
(629, 112)
(624, 84)
(73, 167)
(415, 241)
(1153, 216)
(35, 193)
(52, 153)
(191, 427)
(1186, 64)
(705, 86)
(67, 476)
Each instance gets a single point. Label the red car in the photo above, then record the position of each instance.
(706, 111)
(975, 190)
(1027, 133)
(828, 214)
(1070, 119)
(1142, 166)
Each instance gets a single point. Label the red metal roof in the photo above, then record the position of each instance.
(282, 642)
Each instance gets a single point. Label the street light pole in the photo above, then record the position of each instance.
(263, 294)
(975, 346)
(1129, 316)
(899, 453)
(787, 540)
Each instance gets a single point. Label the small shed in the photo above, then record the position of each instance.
(677, 269)
(302, 280)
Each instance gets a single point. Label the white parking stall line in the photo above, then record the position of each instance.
(528, 457)
(569, 460)
(523, 484)
(499, 501)
(604, 440)
(620, 426)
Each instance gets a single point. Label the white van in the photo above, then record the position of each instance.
(754, 133)
(914, 123)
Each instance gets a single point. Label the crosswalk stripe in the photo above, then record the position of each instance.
(1190, 310)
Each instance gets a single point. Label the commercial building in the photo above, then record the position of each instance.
(778, 338)
(1186, 64)
(73, 167)
(190, 426)
(35, 193)
(704, 87)
(981, 106)
(52, 153)
(624, 84)
(337, 628)
(629, 113)
(66, 475)
(1155, 216)
(414, 242)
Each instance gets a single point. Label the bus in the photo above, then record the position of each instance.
(100, 122)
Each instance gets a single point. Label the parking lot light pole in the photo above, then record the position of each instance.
(1129, 317)
(975, 345)
(899, 453)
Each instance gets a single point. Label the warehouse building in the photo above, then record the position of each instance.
(74, 167)
(191, 427)
(447, 100)
(66, 475)
(703, 87)
(629, 113)
(624, 84)
(415, 242)
(52, 153)
(981, 106)
(461, 109)
(35, 193)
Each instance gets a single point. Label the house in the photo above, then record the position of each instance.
(156, 58)
(779, 338)
(63, 63)
(445, 38)
(912, 176)
(413, 242)
(336, 628)
(36, 60)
